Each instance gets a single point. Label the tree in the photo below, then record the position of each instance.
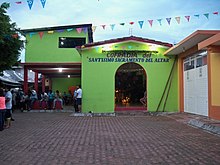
(10, 40)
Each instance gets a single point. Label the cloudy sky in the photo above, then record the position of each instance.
(114, 12)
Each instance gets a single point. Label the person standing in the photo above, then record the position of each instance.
(75, 100)
(8, 101)
(79, 98)
(2, 109)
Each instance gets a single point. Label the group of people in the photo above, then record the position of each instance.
(5, 108)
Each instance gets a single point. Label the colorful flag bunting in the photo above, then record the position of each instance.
(122, 24)
(50, 32)
(43, 2)
(60, 31)
(41, 34)
(15, 35)
(30, 3)
(94, 28)
(159, 20)
(168, 20)
(31, 34)
(131, 23)
(103, 26)
(18, 2)
(196, 15)
(79, 30)
(141, 23)
(177, 20)
(187, 17)
(69, 29)
(206, 15)
(85, 30)
(150, 22)
(215, 13)
(112, 26)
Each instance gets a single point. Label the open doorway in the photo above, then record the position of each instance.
(130, 86)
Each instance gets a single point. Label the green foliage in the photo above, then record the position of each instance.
(10, 42)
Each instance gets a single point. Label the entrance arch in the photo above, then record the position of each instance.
(130, 85)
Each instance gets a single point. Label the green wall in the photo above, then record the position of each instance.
(62, 84)
(47, 49)
(98, 78)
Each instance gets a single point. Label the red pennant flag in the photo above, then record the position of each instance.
(18, 2)
(103, 26)
(41, 34)
(150, 22)
(216, 13)
(15, 35)
(131, 23)
(187, 17)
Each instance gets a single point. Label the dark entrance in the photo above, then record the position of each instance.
(130, 85)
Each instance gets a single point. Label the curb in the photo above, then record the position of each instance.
(209, 128)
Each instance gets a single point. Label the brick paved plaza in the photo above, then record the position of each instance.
(58, 139)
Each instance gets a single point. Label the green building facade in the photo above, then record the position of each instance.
(114, 74)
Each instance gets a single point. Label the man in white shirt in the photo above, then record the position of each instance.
(79, 97)
(8, 104)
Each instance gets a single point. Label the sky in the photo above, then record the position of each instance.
(109, 12)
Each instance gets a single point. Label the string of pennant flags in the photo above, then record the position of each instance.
(151, 21)
(30, 3)
(112, 26)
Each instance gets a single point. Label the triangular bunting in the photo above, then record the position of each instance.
(43, 2)
(206, 15)
(122, 24)
(112, 26)
(168, 20)
(18, 2)
(215, 13)
(177, 20)
(150, 22)
(41, 34)
(60, 31)
(159, 20)
(94, 28)
(85, 30)
(30, 3)
(50, 32)
(196, 15)
(187, 17)
(15, 35)
(31, 34)
(79, 30)
(141, 23)
(131, 23)
(103, 26)
(71, 29)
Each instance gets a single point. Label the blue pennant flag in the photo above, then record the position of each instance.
(30, 3)
(43, 2)
(112, 26)
(141, 23)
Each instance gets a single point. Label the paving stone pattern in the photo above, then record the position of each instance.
(59, 139)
